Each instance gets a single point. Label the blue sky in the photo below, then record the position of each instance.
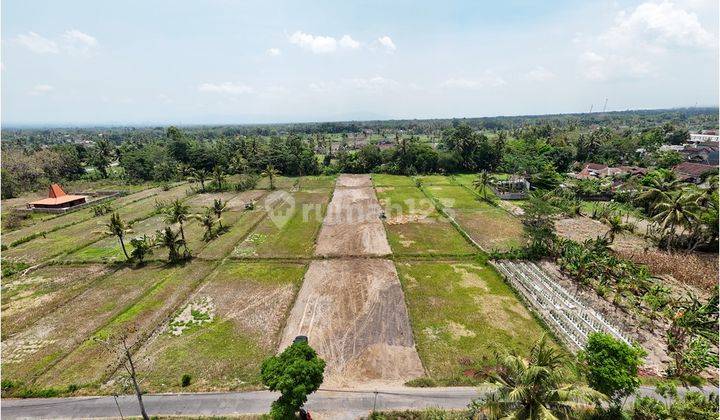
(230, 61)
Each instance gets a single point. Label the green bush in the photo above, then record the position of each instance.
(185, 381)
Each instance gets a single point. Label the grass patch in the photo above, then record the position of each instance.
(249, 302)
(432, 236)
(385, 180)
(455, 197)
(458, 312)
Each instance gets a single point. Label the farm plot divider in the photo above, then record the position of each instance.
(571, 320)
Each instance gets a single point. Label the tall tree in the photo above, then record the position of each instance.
(219, 206)
(115, 226)
(271, 173)
(482, 183)
(534, 388)
(178, 212)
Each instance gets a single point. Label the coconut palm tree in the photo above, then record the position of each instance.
(218, 208)
(177, 212)
(171, 240)
(616, 225)
(482, 183)
(218, 177)
(678, 209)
(657, 189)
(207, 219)
(534, 388)
(116, 226)
(270, 172)
(199, 175)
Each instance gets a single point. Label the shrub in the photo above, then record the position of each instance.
(185, 381)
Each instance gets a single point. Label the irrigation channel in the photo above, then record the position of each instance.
(571, 319)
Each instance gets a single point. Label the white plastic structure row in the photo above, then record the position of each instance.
(571, 320)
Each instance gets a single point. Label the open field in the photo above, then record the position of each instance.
(224, 330)
(74, 237)
(32, 351)
(281, 183)
(91, 363)
(51, 222)
(219, 315)
(354, 314)
(290, 228)
(459, 310)
(492, 227)
(414, 227)
(352, 225)
(27, 298)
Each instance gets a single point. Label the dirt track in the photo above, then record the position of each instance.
(353, 308)
(353, 311)
(352, 226)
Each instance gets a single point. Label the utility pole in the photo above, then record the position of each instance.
(605, 106)
(591, 107)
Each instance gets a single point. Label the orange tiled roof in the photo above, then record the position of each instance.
(56, 197)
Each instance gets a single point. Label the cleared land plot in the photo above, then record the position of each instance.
(32, 351)
(290, 228)
(414, 227)
(223, 245)
(436, 180)
(384, 180)
(239, 201)
(90, 363)
(316, 182)
(281, 183)
(353, 311)
(84, 233)
(200, 201)
(491, 227)
(353, 226)
(454, 196)
(224, 331)
(458, 311)
(25, 299)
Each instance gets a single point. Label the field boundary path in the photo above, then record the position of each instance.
(351, 304)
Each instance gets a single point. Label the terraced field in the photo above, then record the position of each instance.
(289, 262)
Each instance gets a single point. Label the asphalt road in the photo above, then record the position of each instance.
(335, 404)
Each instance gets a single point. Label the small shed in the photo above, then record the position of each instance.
(58, 199)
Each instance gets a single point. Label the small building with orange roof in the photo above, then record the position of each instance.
(58, 199)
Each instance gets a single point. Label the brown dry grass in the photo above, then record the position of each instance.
(694, 270)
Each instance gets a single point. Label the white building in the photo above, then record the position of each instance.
(698, 137)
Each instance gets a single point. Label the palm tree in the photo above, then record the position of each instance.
(177, 212)
(677, 209)
(482, 182)
(118, 228)
(207, 219)
(616, 225)
(218, 177)
(270, 172)
(657, 190)
(199, 175)
(218, 208)
(171, 240)
(534, 388)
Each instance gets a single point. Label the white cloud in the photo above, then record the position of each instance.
(319, 44)
(71, 41)
(347, 42)
(487, 79)
(228, 88)
(387, 43)
(75, 36)
(273, 52)
(37, 43)
(642, 41)
(658, 26)
(38, 90)
(539, 74)
(316, 44)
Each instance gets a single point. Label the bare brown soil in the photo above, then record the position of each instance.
(353, 311)
(238, 202)
(26, 298)
(352, 226)
(650, 337)
(685, 272)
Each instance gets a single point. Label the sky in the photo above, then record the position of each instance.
(230, 61)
